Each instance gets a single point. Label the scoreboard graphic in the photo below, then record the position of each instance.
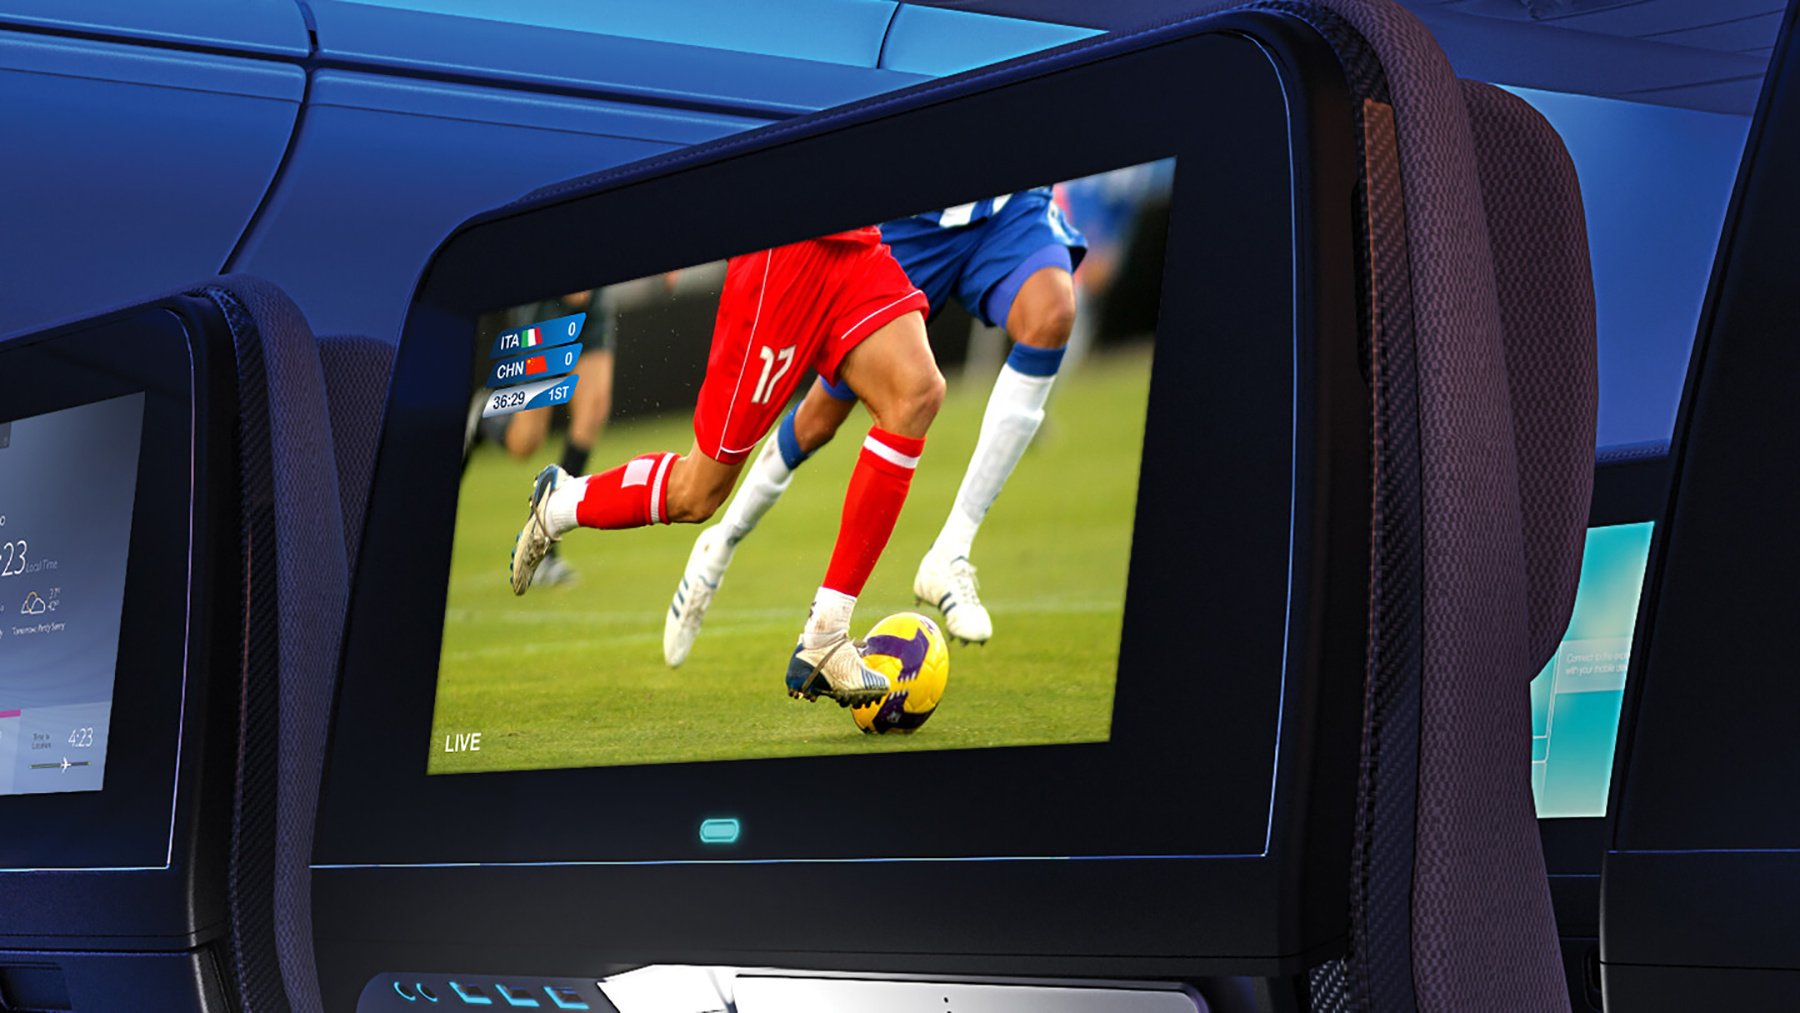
(534, 366)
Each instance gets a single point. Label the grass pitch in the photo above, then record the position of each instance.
(573, 676)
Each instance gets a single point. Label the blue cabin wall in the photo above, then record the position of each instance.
(128, 170)
(247, 27)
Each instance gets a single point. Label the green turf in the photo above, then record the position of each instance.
(573, 676)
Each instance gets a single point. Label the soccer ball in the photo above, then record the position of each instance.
(909, 649)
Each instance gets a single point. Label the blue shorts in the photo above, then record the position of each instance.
(969, 262)
(982, 264)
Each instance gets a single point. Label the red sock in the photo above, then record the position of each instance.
(878, 487)
(632, 495)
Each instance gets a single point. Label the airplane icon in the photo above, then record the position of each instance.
(66, 764)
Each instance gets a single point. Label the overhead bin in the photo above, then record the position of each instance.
(935, 41)
(275, 27)
(130, 170)
(383, 169)
(718, 73)
(847, 32)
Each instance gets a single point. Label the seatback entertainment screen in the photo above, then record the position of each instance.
(1575, 700)
(887, 497)
(868, 492)
(68, 480)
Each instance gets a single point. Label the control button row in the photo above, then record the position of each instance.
(561, 997)
(416, 991)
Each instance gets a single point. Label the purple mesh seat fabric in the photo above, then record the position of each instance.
(1479, 849)
(1484, 416)
(357, 370)
(1481, 933)
(1500, 520)
(296, 588)
(1538, 229)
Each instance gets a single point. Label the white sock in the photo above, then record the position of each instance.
(762, 485)
(559, 508)
(1014, 411)
(829, 619)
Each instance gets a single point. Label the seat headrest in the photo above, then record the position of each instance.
(1538, 231)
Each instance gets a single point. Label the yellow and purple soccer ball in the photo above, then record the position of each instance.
(909, 649)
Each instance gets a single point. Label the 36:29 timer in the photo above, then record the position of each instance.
(515, 398)
(508, 399)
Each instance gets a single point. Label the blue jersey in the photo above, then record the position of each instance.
(975, 211)
(980, 253)
(968, 252)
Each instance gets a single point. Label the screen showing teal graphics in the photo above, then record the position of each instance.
(1575, 700)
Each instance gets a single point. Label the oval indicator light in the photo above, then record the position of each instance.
(719, 831)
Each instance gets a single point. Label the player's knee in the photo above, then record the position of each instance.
(694, 506)
(694, 494)
(919, 402)
(1049, 322)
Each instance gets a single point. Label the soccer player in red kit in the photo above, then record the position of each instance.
(841, 305)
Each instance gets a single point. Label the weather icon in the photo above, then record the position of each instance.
(34, 605)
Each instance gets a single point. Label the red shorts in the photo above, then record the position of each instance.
(783, 311)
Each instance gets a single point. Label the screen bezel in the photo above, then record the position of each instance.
(130, 823)
(1039, 777)
(383, 813)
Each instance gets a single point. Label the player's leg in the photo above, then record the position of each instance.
(589, 409)
(659, 488)
(897, 378)
(588, 412)
(525, 432)
(931, 266)
(821, 414)
(802, 431)
(814, 303)
(1037, 303)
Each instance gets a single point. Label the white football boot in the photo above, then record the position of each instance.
(536, 537)
(834, 670)
(699, 582)
(951, 585)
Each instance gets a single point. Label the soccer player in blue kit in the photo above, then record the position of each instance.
(1010, 261)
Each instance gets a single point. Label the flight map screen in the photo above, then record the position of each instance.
(68, 480)
(863, 493)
